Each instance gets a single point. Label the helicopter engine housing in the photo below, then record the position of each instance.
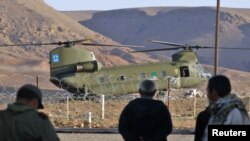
(90, 66)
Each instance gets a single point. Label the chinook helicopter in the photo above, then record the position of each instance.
(78, 71)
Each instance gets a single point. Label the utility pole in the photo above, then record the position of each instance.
(37, 81)
(216, 50)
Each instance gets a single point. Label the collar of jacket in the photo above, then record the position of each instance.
(18, 107)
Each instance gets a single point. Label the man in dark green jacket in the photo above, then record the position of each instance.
(22, 122)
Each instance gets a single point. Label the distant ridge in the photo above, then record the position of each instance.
(33, 21)
(192, 25)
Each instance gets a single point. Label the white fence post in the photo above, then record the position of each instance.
(165, 97)
(67, 106)
(169, 90)
(103, 105)
(195, 105)
(88, 118)
(133, 96)
(249, 106)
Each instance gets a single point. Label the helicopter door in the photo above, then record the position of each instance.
(184, 71)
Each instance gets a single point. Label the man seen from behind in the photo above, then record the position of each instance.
(22, 122)
(145, 119)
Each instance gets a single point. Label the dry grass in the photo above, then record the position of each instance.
(182, 111)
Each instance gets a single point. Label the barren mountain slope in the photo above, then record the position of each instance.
(79, 15)
(29, 21)
(181, 25)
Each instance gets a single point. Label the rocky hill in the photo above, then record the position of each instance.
(29, 21)
(195, 26)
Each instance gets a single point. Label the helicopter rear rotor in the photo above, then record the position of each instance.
(184, 47)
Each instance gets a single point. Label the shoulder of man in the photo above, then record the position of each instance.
(235, 116)
(42, 115)
(203, 114)
(2, 114)
(46, 129)
(2, 111)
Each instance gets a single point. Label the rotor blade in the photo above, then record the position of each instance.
(159, 49)
(233, 48)
(107, 45)
(41, 44)
(79, 41)
(199, 47)
(167, 43)
(178, 45)
(28, 44)
(195, 47)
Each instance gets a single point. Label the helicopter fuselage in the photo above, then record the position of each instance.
(77, 71)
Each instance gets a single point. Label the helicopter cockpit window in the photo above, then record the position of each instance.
(200, 67)
(122, 77)
(184, 71)
(143, 75)
(154, 75)
(101, 79)
(163, 74)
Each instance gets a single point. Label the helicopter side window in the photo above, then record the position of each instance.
(163, 74)
(154, 75)
(122, 77)
(102, 79)
(184, 71)
(143, 75)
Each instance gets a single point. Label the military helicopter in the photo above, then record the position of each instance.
(78, 71)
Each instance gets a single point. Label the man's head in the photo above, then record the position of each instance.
(147, 88)
(31, 95)
(218, 86)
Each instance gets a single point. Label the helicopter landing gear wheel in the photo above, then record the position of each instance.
(88, 96)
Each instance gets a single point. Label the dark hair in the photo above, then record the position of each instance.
(147, 88)
(151, 94)
(26, 94)
(221, 84)
(30, 92)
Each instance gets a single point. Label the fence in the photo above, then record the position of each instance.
(67, 111)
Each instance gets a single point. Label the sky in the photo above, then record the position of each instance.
(73, 5)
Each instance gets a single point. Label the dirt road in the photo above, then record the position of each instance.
(112, 137)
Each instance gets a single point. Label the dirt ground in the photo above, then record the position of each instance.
(113, 137)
